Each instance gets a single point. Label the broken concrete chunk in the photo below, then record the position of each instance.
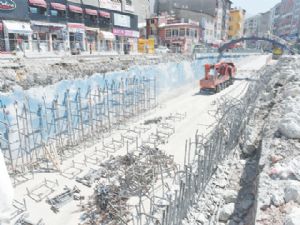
(292, 193)
(277, 199)
(230, 196)
(289, 126)
(293, 218)
(226, 211)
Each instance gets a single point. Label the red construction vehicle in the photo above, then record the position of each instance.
(223, 75)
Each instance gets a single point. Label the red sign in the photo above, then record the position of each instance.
(7, 5)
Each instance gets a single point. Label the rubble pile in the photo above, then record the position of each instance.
(29, 73)
(259, 183)
(279, 186)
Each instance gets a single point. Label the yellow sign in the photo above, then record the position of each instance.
(146, 46)
(277, 51)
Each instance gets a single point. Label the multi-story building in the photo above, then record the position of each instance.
(236, 23)
(252, 25)
(222, 13)
(274, 17)
(47, 25)
(288, 21)
(178, 35)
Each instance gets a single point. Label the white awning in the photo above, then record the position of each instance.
(92, 29)
(107, 35)
(15, 27)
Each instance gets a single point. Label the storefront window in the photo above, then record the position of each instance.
(168, 33)
(182, 32)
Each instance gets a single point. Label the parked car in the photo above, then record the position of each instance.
(162, 50)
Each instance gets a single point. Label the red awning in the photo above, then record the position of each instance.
(104, 14)
(39, 3)
(91, 12)
(75, 9)
(58, 6)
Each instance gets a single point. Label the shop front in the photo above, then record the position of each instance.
(107, 41)
(48, 36)
(127, 40)
(92, 38)
(77, 37)
(126, 31)
(17, 35)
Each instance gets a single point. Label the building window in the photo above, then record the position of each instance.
(53, 12)
(33, 10)
(175, 33)
(187, 32)
(37, 10)
(76, 16)
(196, 33)
(91, 18)
(168, 33)
(192, 33)
(57, 13)
(182, 32)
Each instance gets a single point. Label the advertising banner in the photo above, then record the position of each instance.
(126, 33)
(121, 20)
(14, 9)
(108, 4)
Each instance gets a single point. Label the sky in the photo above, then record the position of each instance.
(254, 7)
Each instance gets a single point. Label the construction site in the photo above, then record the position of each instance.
(156, 144)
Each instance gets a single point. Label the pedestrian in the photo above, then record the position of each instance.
(20, 43)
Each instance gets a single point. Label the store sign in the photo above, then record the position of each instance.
(112, 5)
(126, 33)
(7, 5)
(121, 20)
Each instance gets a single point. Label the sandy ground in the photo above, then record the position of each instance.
(187, 100)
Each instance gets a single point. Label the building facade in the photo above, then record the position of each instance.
(67, 25)
(177, 35)
(236, 23)
(222, 14)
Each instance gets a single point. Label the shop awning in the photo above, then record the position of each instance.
(39, 3)
(15, 27)
(107, 35)
(58, 6)
(104, 14)
(92, 29)
(91, 12)
(75, 9)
